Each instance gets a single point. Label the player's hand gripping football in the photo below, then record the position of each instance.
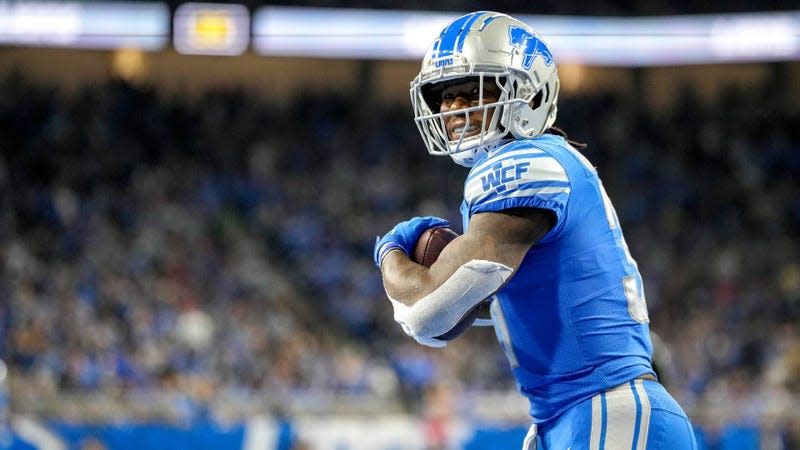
(404, 236)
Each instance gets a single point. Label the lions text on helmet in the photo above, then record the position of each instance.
(488, 77)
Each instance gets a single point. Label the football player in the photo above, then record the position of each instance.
(541, 243)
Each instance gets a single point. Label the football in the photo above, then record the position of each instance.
(431, 243)
(462, 325)
(427, 250)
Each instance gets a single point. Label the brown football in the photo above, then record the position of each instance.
(431, 243)
(463, 325)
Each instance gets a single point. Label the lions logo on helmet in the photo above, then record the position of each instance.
(495, 48)
(533, 47)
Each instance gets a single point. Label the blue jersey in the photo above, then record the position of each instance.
(572, 320)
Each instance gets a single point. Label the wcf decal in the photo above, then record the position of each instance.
(501, 177)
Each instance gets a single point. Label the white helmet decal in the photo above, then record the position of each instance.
(492, 48)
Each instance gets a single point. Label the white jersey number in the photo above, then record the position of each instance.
(632, 284)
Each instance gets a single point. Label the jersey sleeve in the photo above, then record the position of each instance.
(517, 176)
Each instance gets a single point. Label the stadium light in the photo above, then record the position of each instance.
(101, 25)
(601, 41)
(211, 29)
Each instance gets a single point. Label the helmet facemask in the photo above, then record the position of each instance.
(464, 149)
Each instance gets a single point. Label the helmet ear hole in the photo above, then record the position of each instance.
(537, 100)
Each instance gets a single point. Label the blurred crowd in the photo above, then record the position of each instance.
(202, 256)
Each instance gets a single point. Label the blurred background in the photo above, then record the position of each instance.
(190, 193)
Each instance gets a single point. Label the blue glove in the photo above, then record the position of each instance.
(404, 236)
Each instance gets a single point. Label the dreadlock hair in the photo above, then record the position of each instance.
(559, 132)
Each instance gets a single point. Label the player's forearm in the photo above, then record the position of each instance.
(438, 312)
(405, 280)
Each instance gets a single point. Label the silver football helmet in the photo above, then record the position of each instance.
(487, 47)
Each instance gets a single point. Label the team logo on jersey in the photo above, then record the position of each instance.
(529, 45)
(501, 177)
